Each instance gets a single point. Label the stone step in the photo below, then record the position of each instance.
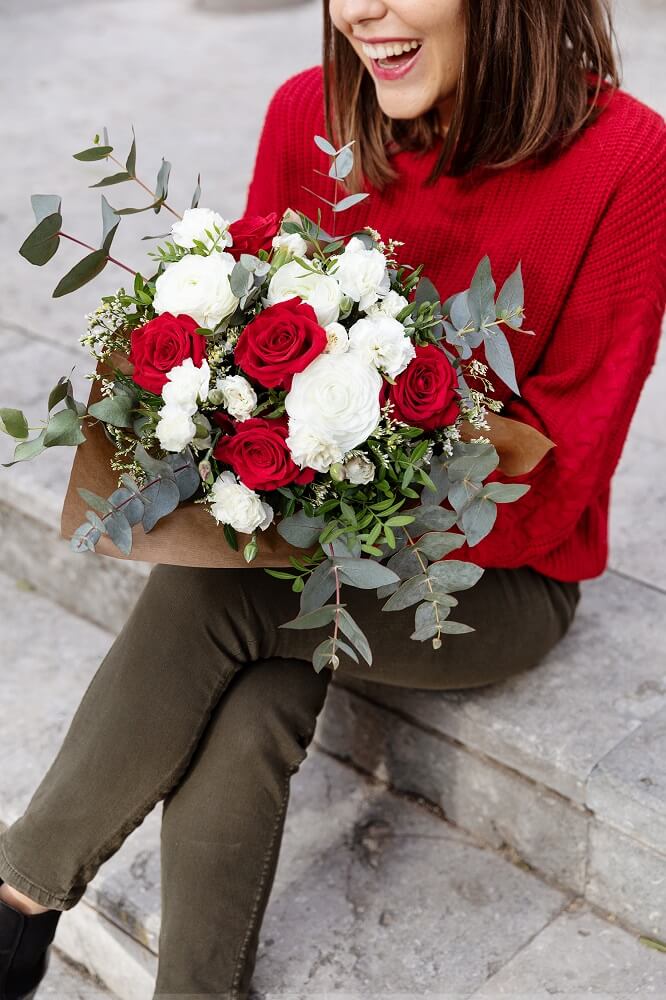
(67, 980)
(374, 893)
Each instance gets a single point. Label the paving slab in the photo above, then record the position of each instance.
(577, 956)
(66, 981)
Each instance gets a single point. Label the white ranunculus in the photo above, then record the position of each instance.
(337, 399)
(198, 286)
(382, 341)
(337, 339)
(233, 503)
(391, 306)
(185, 384)
(362, 274)
(319, 290)
(308, 448)
(238, 396)
(293, 243)
(359, 470)
(175, 429)
(193, 227)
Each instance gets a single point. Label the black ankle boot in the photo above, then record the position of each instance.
(24, 950)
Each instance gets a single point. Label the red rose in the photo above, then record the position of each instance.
(424, 393)
(259, 455)
(254, 233)
(161, 345)
(281, 341)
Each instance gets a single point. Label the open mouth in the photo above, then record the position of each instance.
(393, 59)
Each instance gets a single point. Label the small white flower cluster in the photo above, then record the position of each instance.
(233, 503)
(186, 385)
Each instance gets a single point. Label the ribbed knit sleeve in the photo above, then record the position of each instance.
(585, 389)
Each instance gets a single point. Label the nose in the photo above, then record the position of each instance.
(358, 11)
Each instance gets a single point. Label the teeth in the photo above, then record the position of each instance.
(389, 49)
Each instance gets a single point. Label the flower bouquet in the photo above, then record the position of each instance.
(307, 395)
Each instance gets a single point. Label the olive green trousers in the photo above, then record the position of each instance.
(204, 703)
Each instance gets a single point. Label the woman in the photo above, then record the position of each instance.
(482, 127)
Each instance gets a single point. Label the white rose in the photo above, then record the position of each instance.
(293, 243)
(391, 306)
(337, 339)
(319, 290)
(359, 470)
(185, 383)
(308, 448)
(382, 341)
(238, 396)
(362, 274)
(233, 503)
(198, 286)
(193, 227)
(337, 399)
(175, 429)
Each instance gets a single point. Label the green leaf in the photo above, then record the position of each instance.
(405, 563)
(409, 593)
(325, 145)
(456, 628)
(197, 193)
(118, 178)
(82, 273)
(349, 202)
(437, 544)
(58, 392)
(114, 410)
(365, 573)
(511, 299)
(481, 297)
(503, 492)
(45, 205)
(162, 185)
(110, 223)
(478, 519)
(130, 164)
(154, 466)
(427, 632)
(321, 657)
(343, 164)
(99, 503)
(93, 153)
(319, 587)
(96, 521)
(355, 635)
(499, 357)
(300, 530)
(26, 450)
(119, 531)
(63, 428)
(476, 462)
(241, 281)
(314, 619)
(43, 241)
(440, 478)
(453, 574)
(165, 498)
(84, 538)
(432, 517)
(13, 422)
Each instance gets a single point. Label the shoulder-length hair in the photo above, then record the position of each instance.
(531, 72)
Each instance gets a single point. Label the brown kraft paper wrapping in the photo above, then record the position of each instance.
(190, 536)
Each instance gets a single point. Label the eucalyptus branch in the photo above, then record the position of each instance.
(153, 194)
(87, 246)
(437, 641)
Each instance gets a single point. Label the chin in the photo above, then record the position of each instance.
(402, 107)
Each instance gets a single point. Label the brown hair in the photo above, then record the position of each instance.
(530, 75)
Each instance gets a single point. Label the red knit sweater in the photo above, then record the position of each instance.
(590, 231)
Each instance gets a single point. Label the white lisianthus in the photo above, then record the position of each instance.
(359, 470)
(337, 339)
(238, 396)
(391, 306)
(198, 286)
(233, 503)
(335, 399)
(185, 384)
(193, 227)
(293, 243)
(308, 448)
(362, 274)
(382, 341)
(175, 429)
(319, 290)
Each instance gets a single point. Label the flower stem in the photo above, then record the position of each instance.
(112, 260)
(144, 186)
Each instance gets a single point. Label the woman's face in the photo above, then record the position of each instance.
(412, 49)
